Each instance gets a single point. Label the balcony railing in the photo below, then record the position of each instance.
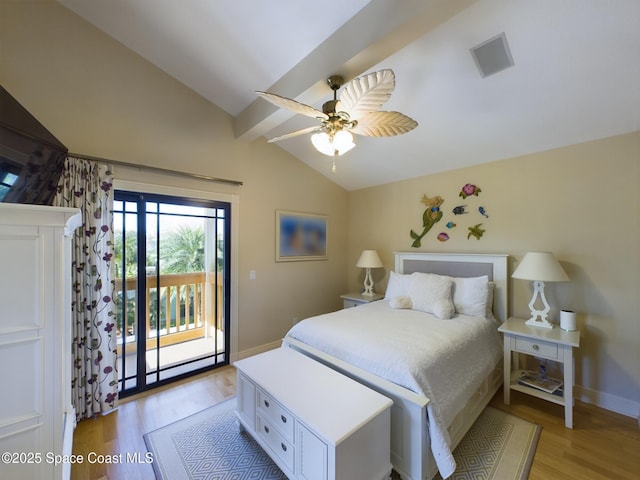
(184, 309)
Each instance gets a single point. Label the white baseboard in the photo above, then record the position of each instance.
(255, 350)
(620, 405)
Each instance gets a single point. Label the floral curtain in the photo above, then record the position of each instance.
(87, 185)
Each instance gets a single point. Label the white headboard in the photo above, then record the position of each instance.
(461, 265)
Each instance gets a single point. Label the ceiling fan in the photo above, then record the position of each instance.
(357, 111)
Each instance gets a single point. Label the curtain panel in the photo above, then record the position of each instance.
(88, 185)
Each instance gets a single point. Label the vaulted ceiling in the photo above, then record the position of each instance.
(576, 75)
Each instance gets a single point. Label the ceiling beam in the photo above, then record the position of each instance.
(380, 29)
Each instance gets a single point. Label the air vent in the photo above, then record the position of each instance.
(492, 56)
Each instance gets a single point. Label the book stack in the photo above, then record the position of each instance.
(535, 380)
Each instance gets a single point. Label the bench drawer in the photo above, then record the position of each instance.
(278, 444)
(536, 347)
(278, 416)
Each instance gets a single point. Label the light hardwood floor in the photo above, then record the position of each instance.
(603, 445)
(121, 431)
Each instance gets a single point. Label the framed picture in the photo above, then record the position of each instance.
(300, 236)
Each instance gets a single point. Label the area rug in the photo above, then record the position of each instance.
(497, 446)
(208, 445)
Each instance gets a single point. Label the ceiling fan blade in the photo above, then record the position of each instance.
(384, 124)
(293, 105)
(296, 133)
(367, 93)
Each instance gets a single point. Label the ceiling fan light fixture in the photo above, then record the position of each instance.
(356, 112)
(322, 143)
(342, 142)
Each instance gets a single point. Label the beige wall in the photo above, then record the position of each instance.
(100, 99)
(579, 202)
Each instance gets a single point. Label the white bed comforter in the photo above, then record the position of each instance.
(444, 360)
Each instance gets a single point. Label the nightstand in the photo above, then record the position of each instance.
(355, 299)
(553, 344)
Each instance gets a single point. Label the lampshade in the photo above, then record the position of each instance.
(341, 143)
(542, 266)
(369, 259)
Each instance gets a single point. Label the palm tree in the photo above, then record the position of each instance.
(130, 250)
(183, 251)
(125, 266)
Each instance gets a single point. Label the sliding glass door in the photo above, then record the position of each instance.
(172, 287)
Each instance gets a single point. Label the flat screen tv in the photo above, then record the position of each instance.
(31, 158)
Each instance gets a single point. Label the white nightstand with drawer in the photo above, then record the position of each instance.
(355, 299)
(553, 344)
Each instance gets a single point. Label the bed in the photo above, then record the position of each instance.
(432, 411)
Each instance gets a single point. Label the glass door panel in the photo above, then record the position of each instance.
(182, 317)
(125, 219)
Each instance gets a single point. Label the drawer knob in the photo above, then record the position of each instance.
(535, 347)
(284, 447)
(266, 403)
(283, 418)
(266, 429)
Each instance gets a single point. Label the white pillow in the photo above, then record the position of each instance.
(470, 295)
(402, 301)
(398, 285)
(431, 293)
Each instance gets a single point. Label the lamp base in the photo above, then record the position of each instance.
(368, 284)
(539, 317)
(535, 322)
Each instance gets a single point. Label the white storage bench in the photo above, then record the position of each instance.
(315, 423)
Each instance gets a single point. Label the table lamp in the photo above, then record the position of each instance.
(540, 267)
(369, 259)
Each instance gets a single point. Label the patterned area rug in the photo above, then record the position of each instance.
(209, 446)
(497, 446)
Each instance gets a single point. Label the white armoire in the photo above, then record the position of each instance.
(36, 415)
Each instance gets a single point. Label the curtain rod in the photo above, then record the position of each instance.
(235, 183)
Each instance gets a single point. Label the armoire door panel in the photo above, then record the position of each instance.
(22, 364)
(21, 285)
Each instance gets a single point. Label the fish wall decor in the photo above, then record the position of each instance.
(459, 210)
(465, 216)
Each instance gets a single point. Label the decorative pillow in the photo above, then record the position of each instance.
(398, 285)
(470, 295)
(402, 301)
(431, 293)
